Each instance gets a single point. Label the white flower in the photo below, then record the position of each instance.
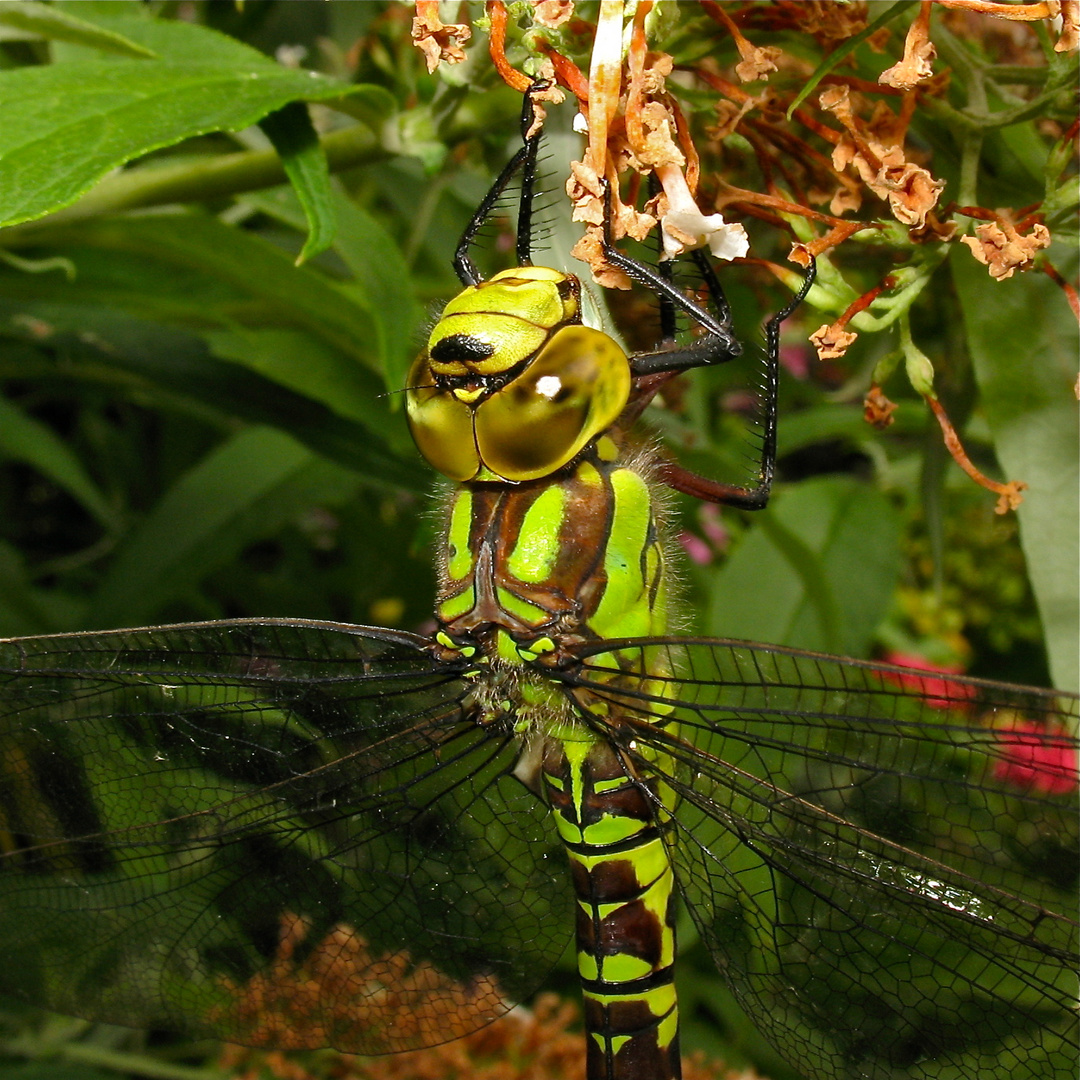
(684, 227)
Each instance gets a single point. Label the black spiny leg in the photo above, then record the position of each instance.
(743, 497)
(525, 160)
(717, 345)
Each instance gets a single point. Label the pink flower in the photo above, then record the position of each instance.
(1036, 758)
(696, 548)
(940, 693)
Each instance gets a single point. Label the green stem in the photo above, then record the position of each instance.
(896, 305)
(133, 1064)
(971, 144)
(920, 370)
(215, 178)
(974, 74)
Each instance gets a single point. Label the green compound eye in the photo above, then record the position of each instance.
(574, 389)
(441, 425)
(570, 392)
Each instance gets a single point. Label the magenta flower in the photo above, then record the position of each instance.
(1037, 759)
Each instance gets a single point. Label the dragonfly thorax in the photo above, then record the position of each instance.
(512, 387)
(530, 571)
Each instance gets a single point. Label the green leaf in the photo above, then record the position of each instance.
(817, 572)
(50, 22)
(297, 144)
(297, 361)
(53, 1070)
(22, 438)
(101, 345)
(253, 267)
(67, 125)
(245, 490)
(383, 279)
(382, 283)
(371, 104)
(1022, 339)
(24, 608)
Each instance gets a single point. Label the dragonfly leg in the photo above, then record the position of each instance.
(744, 497)
(525, 162)
(717, 345)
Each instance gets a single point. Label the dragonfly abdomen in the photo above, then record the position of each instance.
(624, 888)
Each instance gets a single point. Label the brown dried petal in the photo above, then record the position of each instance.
(657, 206)
(553, 13)
(829, 21)
(658, 146)
(590, 250)
(878, 409)
(1000, 248)
(837, 100)
(844, 153)
(831, 341)
(801, 255)
(757, 62)
(657, 68)
(877, 41)
(843, 200)
(728, 115)
(919, 53)
(585, 193)
(885, 129)
(1070, 26)
(630, 223)
(439, 41)
(932, 229)
(912, 192)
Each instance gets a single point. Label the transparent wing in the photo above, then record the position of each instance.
(283, 834)
(882, 863)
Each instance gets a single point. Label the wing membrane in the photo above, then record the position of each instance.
(883, 865)
(281, 833)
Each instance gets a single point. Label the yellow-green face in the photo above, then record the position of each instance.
(512, 386)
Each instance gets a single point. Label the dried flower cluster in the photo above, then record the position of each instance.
(341, 994)
(846, 163)
(1000, 247)
(441, 43)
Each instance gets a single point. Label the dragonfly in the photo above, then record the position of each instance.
(298, 834)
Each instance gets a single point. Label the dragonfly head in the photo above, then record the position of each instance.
(512, 386)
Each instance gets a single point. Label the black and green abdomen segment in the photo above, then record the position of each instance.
(612, 825)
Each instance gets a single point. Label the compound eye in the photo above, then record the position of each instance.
(574, 390)
(441, 426)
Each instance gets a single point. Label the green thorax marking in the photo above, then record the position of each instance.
(575, 558)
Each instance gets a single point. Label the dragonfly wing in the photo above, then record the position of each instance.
(882, 864)
(284, 834)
